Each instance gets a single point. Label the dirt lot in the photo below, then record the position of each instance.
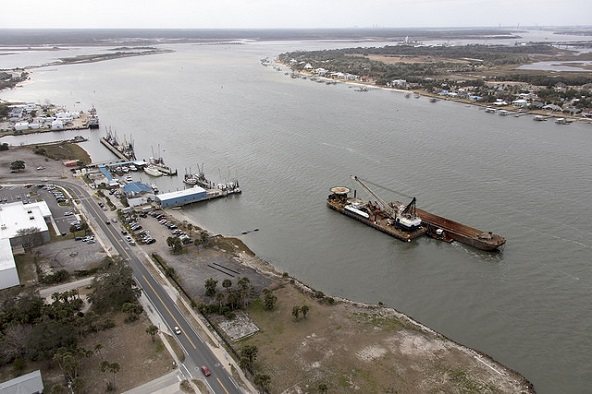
(353, 348)
(70, 255)
(129, 345)
(195, 265)
(53, 169)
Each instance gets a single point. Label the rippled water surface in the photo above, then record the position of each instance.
(290, 140)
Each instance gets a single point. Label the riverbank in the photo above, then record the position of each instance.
(348, 345)
(417, 93)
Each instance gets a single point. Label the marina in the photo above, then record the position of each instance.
(518, 171)
(123, 150)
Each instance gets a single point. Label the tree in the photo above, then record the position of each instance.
(111, 368)
(304, 309)
(30, 236)
(248, 354)
(17, 165)
(220, 299)
(244, 285)
(323, 388)
(227, 283)
(296, 312)
(152, 330)
(84, 227)
(263, 381)
(210, 286)
(269, 300)
(175, 244)
(3, 146)
(114, 288)
(98, 348)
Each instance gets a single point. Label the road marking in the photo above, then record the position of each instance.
(167, 308)
(221, 385)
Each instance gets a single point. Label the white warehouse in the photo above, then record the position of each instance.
(8, 274)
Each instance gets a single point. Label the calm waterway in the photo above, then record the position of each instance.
(290, 140)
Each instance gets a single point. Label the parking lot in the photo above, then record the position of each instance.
(43, 191)
(70, 255)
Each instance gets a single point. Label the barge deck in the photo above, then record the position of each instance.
(432, 225)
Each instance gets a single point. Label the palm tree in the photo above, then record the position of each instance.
(227, 283)
(210, 286)
(296, 312)
(245, 288)
(98, 348)
(152, 330)
(219, 298)
(304, 309)
(263, 381)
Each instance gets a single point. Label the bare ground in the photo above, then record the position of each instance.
(355, 348)
(140, 358)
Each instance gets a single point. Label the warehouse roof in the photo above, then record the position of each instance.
(28, 383)
(181, 193)
(17, 216)
(6, 258)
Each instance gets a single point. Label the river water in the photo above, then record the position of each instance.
(290, 140)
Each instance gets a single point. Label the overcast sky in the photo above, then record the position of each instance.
(290, 13)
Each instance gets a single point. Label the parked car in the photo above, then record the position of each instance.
(177, 330)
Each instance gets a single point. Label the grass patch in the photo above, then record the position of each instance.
(176, 348)
(466, 384)
(64, 152)
(387, 323)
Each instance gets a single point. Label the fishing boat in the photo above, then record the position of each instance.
(152, 170)
(158, 163)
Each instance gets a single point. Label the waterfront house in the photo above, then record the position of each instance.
(399, 83)
(520, 103)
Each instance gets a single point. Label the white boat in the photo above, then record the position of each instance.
(125, 169)
(152, 171)
(539, 118)
(133, 168)
(190, 180)
(129, 179)
(561, 121)
(154, 188)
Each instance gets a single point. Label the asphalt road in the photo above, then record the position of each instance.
(197, 352)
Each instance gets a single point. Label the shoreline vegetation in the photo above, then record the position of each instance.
(476, 74)
(359, 337)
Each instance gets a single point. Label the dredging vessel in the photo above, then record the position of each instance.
(406, 222)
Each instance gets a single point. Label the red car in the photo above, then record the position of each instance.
(205, 370)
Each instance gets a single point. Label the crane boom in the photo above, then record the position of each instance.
(385, 206)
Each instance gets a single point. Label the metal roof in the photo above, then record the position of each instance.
(137, 187)
(181, 193)
(16, 216)
(25, 384)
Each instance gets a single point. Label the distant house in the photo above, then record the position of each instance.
(520, 103)
(307, 66)
(560, 87)
(321, 71)
(399, 83)
(30, 383)
(552, 107)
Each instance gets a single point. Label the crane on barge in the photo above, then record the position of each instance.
(403, 216)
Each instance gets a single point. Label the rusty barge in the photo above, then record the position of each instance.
(406, 222)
